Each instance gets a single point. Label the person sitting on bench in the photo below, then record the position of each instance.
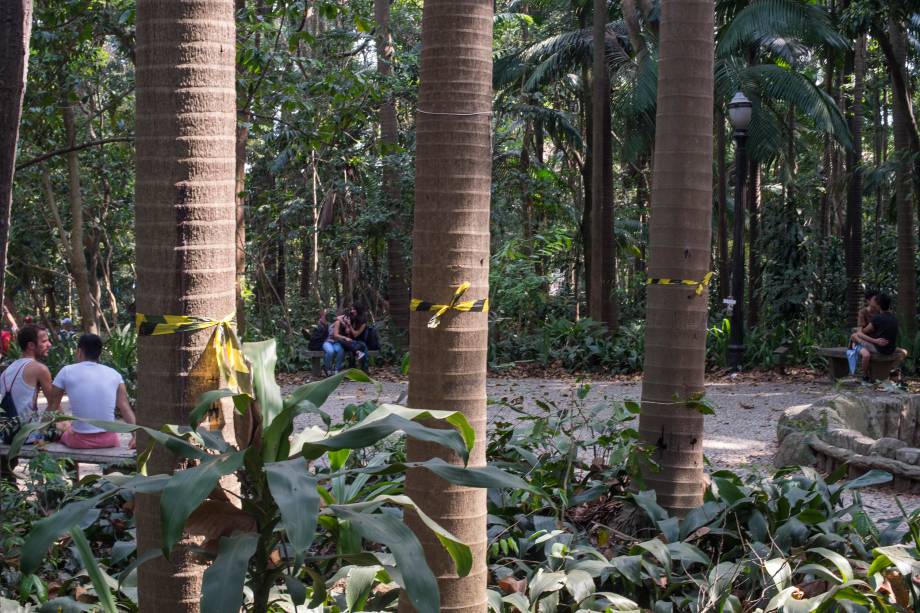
(21, 381)
(880, 336)
(95, 391)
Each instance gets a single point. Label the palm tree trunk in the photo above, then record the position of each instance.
(907, 274)
(853, 229)
(397, 287)
(77, 257)
(450, 242)
(16, 24)
(185, 228)
(679, 236)
(603, 305)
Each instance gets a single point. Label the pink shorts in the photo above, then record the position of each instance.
(97, 440)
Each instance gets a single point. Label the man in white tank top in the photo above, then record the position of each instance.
(23, 378)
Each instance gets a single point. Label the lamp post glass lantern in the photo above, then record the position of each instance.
(739, 114)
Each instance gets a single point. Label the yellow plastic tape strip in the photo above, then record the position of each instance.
(227, 347)
(475, 306)
(700, 285)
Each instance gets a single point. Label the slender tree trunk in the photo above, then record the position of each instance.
(450, 245)
(724, 271)
(603, 305)
(754, 267)
(185, 228)
(78, 268)
(680, 240)
(853, 229)
(397, 286)
(306, 266)
(16, 24)
(242, 137)
(907, 274)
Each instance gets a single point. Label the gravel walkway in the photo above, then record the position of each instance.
(741, 436)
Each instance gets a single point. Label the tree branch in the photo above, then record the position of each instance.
(95, 143)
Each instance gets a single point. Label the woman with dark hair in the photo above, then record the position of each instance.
(356, 326)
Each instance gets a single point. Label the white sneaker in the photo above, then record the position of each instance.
(359, 355)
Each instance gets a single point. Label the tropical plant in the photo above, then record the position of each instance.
(270, 537)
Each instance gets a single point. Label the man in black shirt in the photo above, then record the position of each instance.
(881, 335)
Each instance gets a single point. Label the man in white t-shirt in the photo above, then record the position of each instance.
(95, 391)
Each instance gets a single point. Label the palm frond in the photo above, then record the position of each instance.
(558, 124)
(766, 20)
(766, 134)
(777, 83)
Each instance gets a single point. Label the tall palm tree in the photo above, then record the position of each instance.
(397, 289)
(853, 226)
(679, 240)
(16, 24)
(185, 226)
(900, 123)
(603, 304)
(450, 246)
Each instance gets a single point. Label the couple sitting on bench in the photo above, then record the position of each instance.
(877, 333)
(94, 390)
(340, 335)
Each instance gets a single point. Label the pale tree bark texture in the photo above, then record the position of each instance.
(397, 286)
(679, 239)
(907, 274)
(602, 306)
(77, 257)
(450, 245)
(16, 24)
(185, 228)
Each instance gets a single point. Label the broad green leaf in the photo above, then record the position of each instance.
(62, 604)
(842, 564)
(222, 584)
(779, 572)
(630, 567)
(313, 443)
(187, 490)
(518, 601)
(358, 585)
(296, 589)
(579, 584)
(418, 580)
(45, 531)
(685, 552)
(902, 557)
(495, 601)
(205, 402)
(544, 582)
(658, 549)
(294, 491)
(617, 602)
(873, 477)
(175, 444)
(647, 502)
(455, 418)
(103, 593)
(263, 356)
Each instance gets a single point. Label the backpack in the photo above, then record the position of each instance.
(9, 418)
(317, 337)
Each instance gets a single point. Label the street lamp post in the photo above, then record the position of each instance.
(739, 114)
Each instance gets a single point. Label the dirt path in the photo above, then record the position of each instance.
(741, 436)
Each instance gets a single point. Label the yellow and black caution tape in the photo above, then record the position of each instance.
(700, 285)
(476, 306)
(227, 346)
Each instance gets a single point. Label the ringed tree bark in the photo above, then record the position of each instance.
(901, 127)
(185, 227)
(16, 24)
(853, 225)
(679, 238)
(602, 306)
(450, 245)
(397, 287)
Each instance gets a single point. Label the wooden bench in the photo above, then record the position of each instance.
(103, 457)
(316, 361)
(880, 366)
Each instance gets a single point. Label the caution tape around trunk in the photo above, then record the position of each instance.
(475, 306)
(227, 347)
(700, 285)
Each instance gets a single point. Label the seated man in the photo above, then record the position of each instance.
(95, 391)
(880, 336)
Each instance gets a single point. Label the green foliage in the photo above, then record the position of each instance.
(281, 496)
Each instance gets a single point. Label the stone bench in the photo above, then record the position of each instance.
(316, 361)
(104, 457)
(880, 366)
